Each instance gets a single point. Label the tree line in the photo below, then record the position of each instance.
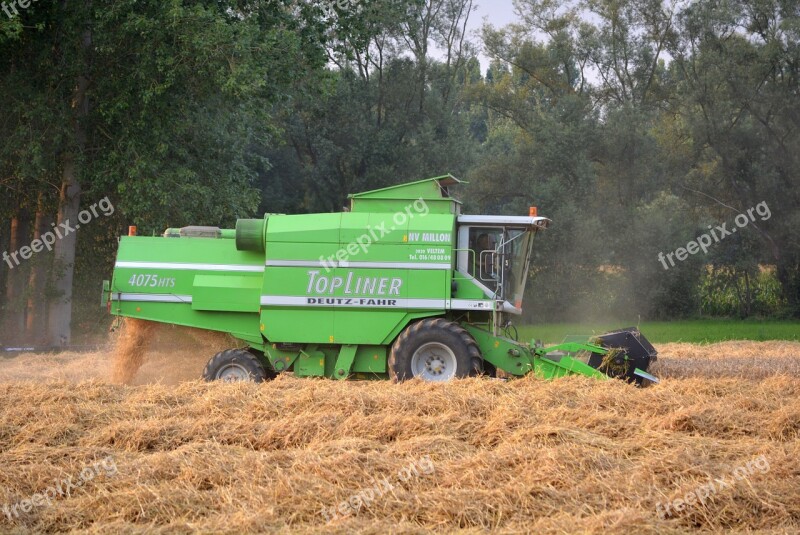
(636, 125)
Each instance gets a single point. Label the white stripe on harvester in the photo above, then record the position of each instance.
(151, 298)
(199, 267)
(393, 265)
(471, 304)
(297, 301)
(357, 302)
(355, 265)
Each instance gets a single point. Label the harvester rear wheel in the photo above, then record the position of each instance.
(235, 365)
(434, 350)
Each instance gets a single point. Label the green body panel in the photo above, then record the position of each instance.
(398, 198)
(311, 363)
(507, 355)
(323, 295)
(467, 289)
(304, 229)
(548, 369)
(308, 297)
(551, 367)
(371, 360)
(160, 279)
(227, 293)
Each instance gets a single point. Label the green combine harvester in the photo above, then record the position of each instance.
(400, 286)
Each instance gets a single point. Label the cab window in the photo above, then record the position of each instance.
(483, 243)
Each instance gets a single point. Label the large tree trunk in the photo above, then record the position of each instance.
(60, 313)
(14, 327)
(37, 283)
(60, 319)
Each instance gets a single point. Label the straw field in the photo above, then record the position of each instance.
(170, 454)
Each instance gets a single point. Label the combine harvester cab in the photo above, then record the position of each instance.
(402, 286)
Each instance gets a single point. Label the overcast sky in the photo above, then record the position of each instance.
(495, 12)
(498, 13)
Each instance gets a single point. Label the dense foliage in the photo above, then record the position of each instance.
(638, 126)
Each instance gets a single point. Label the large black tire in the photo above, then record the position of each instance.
(234, 365)
(434, 350)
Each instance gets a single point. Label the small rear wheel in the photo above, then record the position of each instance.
(236, 365)
(434, 350)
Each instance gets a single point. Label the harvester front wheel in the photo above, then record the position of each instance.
(434, 350)
(235, 365)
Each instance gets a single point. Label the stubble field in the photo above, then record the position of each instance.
(714, 447)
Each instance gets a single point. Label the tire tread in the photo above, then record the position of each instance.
(400, 351)
(258, 372)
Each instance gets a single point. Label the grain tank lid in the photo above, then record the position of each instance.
(430, 188)
(435, 190)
